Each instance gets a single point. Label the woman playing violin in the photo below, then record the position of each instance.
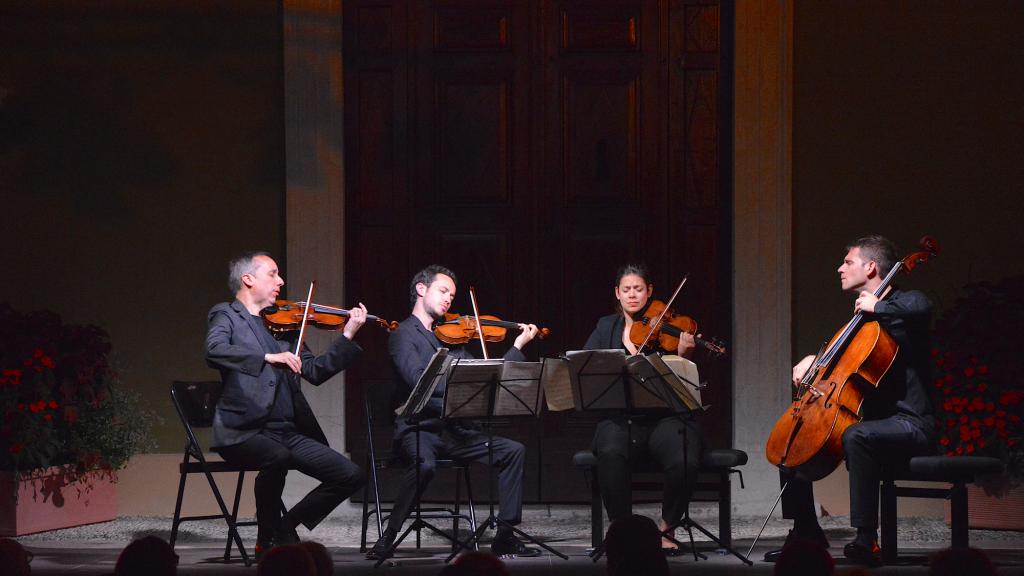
(657, 438)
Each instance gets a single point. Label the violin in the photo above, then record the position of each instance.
(286, 316)
(456, 329)
(807, 438)
(663, 327)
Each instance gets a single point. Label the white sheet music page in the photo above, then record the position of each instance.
(519, 392)
(557, 385)
(689, 379)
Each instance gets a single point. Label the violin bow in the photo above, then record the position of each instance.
(479, 327)
(305, 315)
(662, 315)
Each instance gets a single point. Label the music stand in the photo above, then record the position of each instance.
(686, 397)
(412, 409)
(647, 383)
(485, 389)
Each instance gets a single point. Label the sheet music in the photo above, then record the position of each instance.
(648, 388)
(557, 384)
(436, 370)
(597, 375)
(519, 392)
(466, 395)
(687, 386)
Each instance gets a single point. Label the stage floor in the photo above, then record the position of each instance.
(93, 550)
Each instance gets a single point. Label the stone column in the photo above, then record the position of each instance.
(762, 238)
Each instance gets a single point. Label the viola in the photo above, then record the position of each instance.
(807, 438)
(286, 316)
(661, 327)
(459, 329)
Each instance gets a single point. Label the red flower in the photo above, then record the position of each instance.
(968, 372)
(944, 441)
(48, 362)
(970, 448)
(964, 419)
(982, 369)
(15, 448)
(982, 443)
(975, 434)
(990, 421)
(37, 353)
(52, 404)
(48, 417)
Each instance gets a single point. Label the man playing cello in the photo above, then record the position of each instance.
(897, 417)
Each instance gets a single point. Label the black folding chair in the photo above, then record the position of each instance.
(195, 403)
(376, 462)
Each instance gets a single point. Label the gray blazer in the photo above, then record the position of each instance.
(233, 348)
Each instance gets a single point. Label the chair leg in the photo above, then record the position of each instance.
(458, 500)
(177, 508)
(596, 511)
(958, 515)
(232, 529)
(234, 512)
(887, 497)
(725, 508)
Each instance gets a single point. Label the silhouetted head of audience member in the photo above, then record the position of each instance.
(956, 561)
(287, 560)
(15, 558)
(479, 564)
(147, 556)
(804, 558)
(321, 557)
(633, 548)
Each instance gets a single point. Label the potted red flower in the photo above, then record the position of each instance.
(979, 386)
(65, 425)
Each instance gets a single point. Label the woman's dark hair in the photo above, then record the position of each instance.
(634, 269)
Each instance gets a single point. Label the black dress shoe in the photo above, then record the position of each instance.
(511, 547)
(868, 556)
(284, 536)
(815, 535)
(382, 549)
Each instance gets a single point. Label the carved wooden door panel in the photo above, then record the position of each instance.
(532, 147)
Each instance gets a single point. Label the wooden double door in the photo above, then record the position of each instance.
(533, 147)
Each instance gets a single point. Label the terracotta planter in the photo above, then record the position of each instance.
(989, 512)
(46, 501)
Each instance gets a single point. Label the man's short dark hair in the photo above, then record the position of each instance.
(426, 277)
(240, 266)
(879, 249)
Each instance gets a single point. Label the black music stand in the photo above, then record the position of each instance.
(483, 390)
(434, 373)
(685, 406)
(647, 383)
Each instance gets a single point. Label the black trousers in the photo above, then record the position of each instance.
(870, 446)
(619, 444)
(509, 457)
(274, 453)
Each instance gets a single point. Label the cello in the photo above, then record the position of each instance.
(807, 438)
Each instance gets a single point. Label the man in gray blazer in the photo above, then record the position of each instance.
(262, 418)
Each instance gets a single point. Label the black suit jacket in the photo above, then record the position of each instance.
(411, 347)
(250, 384)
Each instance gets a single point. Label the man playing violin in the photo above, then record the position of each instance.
(897, 417)
(657, 437)
(262, 418)
(411, 346)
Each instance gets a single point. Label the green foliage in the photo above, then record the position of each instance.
(60, 401)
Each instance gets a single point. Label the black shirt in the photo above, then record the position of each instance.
(906, 316)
